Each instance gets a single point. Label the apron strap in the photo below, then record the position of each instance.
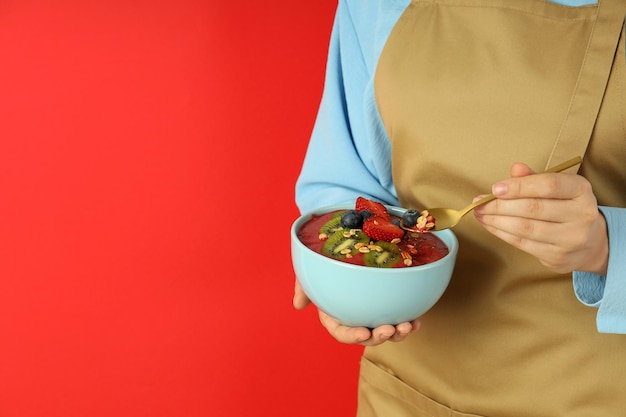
(578, 125)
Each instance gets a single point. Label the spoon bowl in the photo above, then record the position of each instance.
(446, 218)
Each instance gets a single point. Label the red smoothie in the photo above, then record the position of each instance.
(412, 249)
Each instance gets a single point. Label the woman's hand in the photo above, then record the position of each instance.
(356, 335)
(552, 216)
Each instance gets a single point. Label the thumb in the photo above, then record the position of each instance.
(300, 299)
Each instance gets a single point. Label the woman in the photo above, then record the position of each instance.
(426, 103)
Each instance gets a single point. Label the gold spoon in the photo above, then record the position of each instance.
(446, 218)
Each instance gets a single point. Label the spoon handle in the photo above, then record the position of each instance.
(477, 203)
(557, 168)
(564, 165)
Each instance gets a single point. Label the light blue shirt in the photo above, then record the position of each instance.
(349, 153)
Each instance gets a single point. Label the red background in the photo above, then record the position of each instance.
(148, 154)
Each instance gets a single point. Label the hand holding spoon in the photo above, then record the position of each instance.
(446, 218)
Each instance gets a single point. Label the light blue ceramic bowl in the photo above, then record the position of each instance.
(365, 296)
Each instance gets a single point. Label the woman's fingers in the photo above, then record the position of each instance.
(544, 185)
(300, 299)
(365, 336)
(552, 216)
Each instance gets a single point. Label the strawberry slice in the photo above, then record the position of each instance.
(379, 228)
(374, 207)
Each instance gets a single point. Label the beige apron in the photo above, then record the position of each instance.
(465, 88)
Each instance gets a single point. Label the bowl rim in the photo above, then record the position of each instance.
(303, 218)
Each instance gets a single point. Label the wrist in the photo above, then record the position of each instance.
(598, 255)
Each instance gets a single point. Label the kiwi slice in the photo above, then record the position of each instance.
(343, 242)
(333, 225)
(387, 257)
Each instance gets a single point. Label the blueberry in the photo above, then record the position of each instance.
(366, 214)
(409, 218)
(398, 223)
(351, 219)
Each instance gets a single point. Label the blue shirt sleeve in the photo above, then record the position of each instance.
(608, 293)
(349, 153)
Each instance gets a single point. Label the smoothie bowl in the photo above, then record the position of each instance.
(369, 269)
